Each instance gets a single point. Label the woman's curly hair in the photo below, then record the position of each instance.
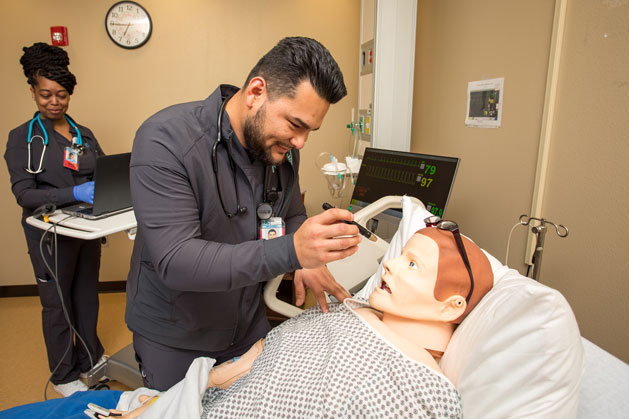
(48, 61)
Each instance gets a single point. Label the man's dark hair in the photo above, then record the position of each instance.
(47, 61)
(294, 60)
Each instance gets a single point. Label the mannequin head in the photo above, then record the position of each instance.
(429, 281)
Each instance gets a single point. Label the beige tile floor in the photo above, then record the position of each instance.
(23, 363)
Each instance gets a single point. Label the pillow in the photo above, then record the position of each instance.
(518, 353)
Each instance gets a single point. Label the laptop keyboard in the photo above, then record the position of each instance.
(86, 211)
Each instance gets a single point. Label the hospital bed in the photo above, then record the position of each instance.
(518, 354)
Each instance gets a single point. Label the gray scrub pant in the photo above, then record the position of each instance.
(78, 263)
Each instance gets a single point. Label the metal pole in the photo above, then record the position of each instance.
(540, 232)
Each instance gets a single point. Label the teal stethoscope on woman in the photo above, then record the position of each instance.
(77, 145)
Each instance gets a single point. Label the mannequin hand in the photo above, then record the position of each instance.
(146, 402)
(318, 240)
(318, 280)
(84, 192)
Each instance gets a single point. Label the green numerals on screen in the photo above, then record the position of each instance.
(434, 210)
(424, 182)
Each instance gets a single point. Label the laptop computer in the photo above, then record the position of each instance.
(112, 194)
(386, 172)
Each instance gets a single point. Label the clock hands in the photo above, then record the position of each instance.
(135, 21)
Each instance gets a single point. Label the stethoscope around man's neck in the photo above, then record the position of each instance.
(265, 209)
(78, 144)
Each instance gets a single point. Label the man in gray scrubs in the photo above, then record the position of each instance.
(199, 264)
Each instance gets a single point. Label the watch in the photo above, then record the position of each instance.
(128, 24)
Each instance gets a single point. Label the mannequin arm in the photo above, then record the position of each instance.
(222, 376)
(225, 374)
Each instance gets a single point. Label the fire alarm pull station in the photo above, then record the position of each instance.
(59, 35)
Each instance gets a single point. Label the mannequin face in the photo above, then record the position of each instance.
(408, 283)
(51, 98)
(276, 126)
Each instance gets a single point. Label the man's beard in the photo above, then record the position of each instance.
(253, 131)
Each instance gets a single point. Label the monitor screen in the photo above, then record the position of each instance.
(386, 172)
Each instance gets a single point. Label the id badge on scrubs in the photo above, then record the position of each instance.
(271, 228)
(71, 160)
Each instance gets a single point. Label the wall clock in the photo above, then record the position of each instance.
(128, 24)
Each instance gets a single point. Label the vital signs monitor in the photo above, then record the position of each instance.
(385, 172)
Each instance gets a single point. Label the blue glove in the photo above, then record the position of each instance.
(84, 192)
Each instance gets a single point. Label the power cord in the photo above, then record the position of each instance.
(509, 242)
(55, 275)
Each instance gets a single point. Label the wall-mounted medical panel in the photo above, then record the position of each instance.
(366, 58)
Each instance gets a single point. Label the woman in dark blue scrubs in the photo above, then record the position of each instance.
(51, 160)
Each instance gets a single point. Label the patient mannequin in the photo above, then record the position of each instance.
(410, 319)
(421, 297)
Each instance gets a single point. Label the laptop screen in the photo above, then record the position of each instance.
(385, 172)
(111, 183)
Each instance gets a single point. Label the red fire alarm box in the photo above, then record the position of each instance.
(59, 35)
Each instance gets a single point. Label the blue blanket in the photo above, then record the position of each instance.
(68, 407)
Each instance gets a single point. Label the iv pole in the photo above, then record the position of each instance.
(540, 230)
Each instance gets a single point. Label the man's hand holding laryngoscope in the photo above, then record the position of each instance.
(322, 239)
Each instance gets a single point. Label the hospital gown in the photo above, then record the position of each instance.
(332, 366)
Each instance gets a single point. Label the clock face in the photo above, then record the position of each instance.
(128, 24)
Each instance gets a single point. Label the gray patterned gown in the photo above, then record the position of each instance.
(333, 365)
